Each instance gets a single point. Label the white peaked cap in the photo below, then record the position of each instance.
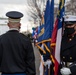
(70, 18)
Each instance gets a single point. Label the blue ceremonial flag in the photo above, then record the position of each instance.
(48, 19)
(41, 29)
(40, 32)
(48, 24)
(48, 27)
(40, 35)
(33, 29)
(44, 42)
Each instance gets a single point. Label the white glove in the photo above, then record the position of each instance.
(48, 62)
(65, 71)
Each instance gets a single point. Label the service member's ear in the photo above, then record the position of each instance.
(20, 24)
(8, 24)
(75, 27)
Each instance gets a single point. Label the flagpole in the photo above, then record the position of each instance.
(49, 71)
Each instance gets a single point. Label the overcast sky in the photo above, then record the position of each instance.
(18, 1)
(18, 5)
(13, 1)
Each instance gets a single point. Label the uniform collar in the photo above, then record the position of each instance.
(14, 29)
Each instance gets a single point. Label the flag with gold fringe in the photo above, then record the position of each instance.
(47, 29)
(57, 36)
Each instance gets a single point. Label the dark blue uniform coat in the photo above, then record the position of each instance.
(16, 53)
(68, 52)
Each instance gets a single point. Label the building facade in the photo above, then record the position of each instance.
(3, 25)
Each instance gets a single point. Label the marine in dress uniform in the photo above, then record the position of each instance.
(68, 46)
(16, 51)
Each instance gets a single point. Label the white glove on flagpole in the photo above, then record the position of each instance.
(48, 62)
(65, 71)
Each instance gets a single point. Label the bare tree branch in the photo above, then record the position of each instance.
(34, 9)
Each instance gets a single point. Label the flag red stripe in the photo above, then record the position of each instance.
(54, 33)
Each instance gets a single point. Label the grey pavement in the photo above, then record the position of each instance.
(37, 59)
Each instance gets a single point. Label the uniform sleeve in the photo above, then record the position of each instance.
(73, 68)
(1, 50)
(30, 60)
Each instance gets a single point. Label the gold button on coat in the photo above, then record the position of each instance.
(70, 57)
(63, 57)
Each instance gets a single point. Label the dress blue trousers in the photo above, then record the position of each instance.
(15, 74)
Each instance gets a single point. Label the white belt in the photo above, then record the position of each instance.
(67, 63)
